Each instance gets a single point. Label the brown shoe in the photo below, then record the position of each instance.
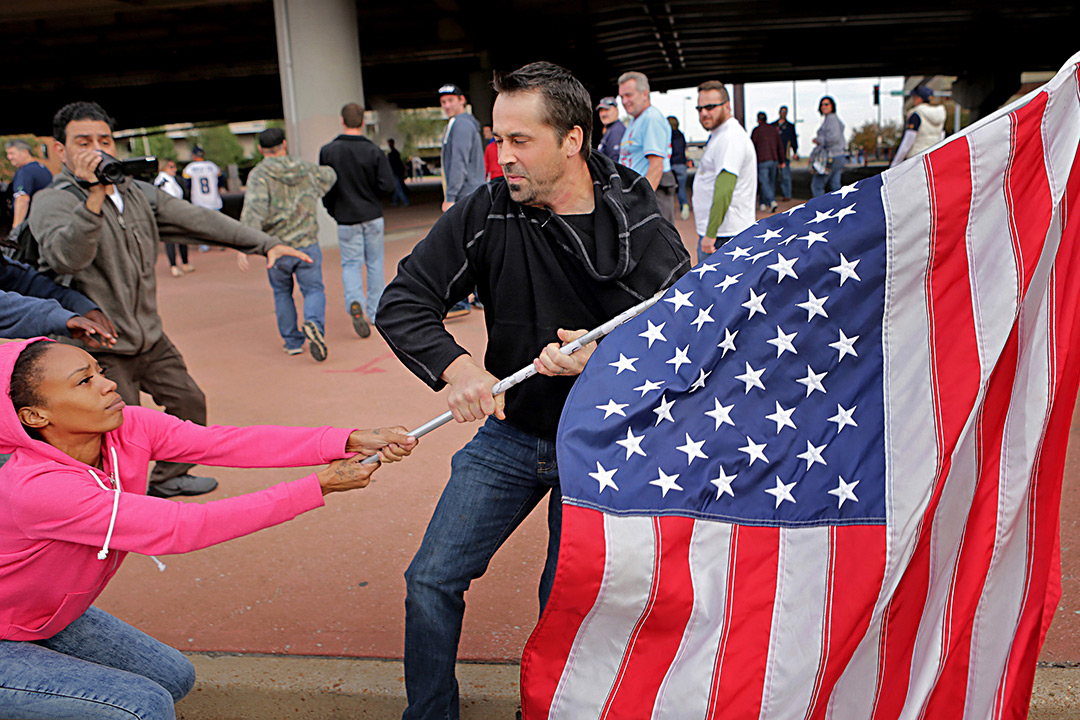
(359, 322)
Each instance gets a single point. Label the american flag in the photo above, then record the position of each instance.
(820, 478)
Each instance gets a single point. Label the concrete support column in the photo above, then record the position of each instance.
(738, 103)
(319, 63)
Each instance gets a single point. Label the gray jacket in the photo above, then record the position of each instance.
(831, 135)
(462, 157)
(111, 256)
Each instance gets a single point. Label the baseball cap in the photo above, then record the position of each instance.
(271, 137)
(197, 150)
(451, 89)
(923, 92)
(608, 102)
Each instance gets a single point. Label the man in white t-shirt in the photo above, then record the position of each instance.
(725, 184)
(203, 177)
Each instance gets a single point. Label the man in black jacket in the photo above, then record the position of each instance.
(363, 175)
(567, 239)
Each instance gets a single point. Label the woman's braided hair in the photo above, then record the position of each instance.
(27, 375)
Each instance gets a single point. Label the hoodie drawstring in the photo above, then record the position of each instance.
(104, 552)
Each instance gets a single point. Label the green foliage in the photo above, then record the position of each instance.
(419, 128)
(866, 136)
(220, 145)
(7, 170)
(161, 145)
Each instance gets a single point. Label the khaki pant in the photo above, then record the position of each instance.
(161, 373)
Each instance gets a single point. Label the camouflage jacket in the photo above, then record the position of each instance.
(281, 196)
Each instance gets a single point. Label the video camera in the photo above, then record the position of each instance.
(111, 170)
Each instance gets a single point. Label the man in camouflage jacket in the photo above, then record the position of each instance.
(280, 200)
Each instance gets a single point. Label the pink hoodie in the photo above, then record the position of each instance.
(58, 516)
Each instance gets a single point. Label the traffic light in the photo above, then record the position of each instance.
(877, 94)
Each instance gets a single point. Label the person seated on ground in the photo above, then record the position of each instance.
(73, 503)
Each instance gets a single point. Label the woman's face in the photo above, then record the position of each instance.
(825, 107)
(76, 397)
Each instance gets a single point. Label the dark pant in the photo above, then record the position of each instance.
(495, 482)
(666, 193)
(170, 252)
(161, 373)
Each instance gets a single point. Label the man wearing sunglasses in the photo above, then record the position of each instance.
(726, 180)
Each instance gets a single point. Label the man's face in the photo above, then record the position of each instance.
(609, 115)
(783, 114)
(633, 100)
(18, 157)
(713, 110)
(533, 160)
(86, 136)
(170, 168)
(452, 104)
(486, 132)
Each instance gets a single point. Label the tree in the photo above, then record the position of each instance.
(418, 128)
(161, 145)
(220, 145)
(866, 136)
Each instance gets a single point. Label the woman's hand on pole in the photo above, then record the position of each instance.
(392, 443)
(347, 474)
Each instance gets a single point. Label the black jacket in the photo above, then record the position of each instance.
(535, 274)
(363, 175)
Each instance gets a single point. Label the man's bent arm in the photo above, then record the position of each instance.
(67, 230)
(655, 171)
(723, 191)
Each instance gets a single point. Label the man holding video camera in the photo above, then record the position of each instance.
(103, 230)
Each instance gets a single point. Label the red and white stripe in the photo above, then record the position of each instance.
(938, 614)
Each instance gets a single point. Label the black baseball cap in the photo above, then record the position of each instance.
(451, 89)
(271, 137)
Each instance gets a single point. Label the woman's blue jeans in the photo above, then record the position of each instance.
(97, 668)
(495, 482)
(830, 181)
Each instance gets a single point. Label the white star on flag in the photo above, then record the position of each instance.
(843, 418)
(821, 216)
(703, 317)
(723, 483)
(624, 363)
(784, 268)
(782, 342)
(782, 418)
(844, 491)
(612, 408)
(845, 191)
(812, 381)
(666, 482)
(756, 451)
(768, 235)
(705, 268)
(844, 212)
(648, 386)
(680, 300)
(728, 343)
(681, 358)
(654, 333)
(692, 449)
(814, 237)
(781, 492)
(663, 412)
(604, 477)
(845, 269)
(812, 455)
(845, 345)
(700, 382)
(752, 378)
(721, 414)
(632, 443)
(755, 304)
(738, 253)
(728, 281)
(757, 256)
(814, 306)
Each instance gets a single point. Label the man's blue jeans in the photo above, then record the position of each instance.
(785, 180)
(766, 172)
(97, 668)
(399, 198)
(830, 180)
(680, 178)
(495, 482)
(309, 278)
(362, 246)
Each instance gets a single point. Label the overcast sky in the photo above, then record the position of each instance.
(853, 96)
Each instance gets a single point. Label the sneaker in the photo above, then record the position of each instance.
(763, 207)
(186, 484)
(176, 272)
(189, 268)
(359, 322)
(292, 351)
(316, 343)
(459, 310)
(685, 212)
(773, 207)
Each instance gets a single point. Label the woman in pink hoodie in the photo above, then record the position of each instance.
(73, 503)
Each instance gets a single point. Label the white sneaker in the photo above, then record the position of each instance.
(763, 207)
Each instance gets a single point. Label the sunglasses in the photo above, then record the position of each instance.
(710, 107)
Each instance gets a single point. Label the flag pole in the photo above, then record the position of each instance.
(529, 370)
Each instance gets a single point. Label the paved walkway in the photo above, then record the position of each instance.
(310, 615)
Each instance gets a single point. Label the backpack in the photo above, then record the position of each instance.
(23, 246)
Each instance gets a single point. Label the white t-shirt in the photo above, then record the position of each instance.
(168, 183)
(203, 175)
(729, 148)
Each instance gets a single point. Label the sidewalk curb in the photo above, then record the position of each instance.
(254, 687)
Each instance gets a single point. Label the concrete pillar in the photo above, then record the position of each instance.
(738, 103)
(984, 92)
(319, 64)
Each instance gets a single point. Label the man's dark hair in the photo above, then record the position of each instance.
(717, 86)
(762, 117)
(566, 101)
(78, 111)
(353, 115)
(783, 108)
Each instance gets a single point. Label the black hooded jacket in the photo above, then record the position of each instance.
(535, 272)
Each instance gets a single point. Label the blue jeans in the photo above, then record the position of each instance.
(309, 278)
(830, 181)
(362, 245)
(680, 178)
(785, 180)
(720, 242)
(399, 198)
(766, 175)
(97, 668)
(495, 482)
